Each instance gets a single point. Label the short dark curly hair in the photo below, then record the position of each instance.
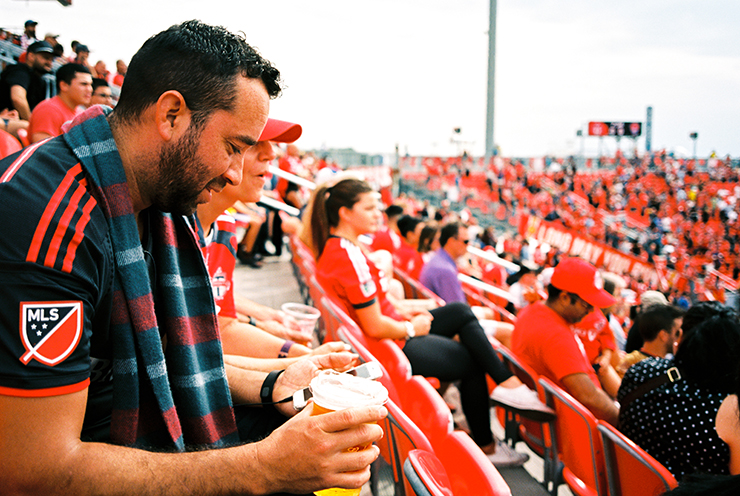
(198, 60)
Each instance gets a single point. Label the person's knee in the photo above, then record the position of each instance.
(462, 311)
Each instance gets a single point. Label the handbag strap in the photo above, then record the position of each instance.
(670, 375)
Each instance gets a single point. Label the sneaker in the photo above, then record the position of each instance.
(523, 401)
(249, 259)
(504, 456)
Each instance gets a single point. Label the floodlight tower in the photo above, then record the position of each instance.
(491, 79)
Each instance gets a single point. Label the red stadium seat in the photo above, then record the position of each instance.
(8, 144)
(533, 433)
(577, 441)
(402, 436)
(426, 474)
(630, 470)
(469, 469)
(423, 404)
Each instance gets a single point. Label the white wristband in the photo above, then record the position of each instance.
(410, 332)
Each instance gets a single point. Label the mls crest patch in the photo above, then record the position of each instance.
(50, 330)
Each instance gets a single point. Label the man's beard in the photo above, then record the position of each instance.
(180, 175)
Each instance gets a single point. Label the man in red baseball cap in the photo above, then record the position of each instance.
(544, 339)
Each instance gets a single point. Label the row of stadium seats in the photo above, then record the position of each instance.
(421, 452)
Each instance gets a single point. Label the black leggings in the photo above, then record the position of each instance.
(468, 361)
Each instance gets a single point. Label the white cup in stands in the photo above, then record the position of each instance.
(306, 317)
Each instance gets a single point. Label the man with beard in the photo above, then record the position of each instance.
(21, 85)
(545, 340)
(116, 382)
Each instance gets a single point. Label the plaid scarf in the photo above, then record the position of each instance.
(162, 398)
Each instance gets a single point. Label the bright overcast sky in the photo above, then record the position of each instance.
(372, 74)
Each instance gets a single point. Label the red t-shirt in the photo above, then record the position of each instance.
(346, 273)
(408, 260)
(595, 334)
(48, 117)
(386, 239)
(220, 255)
(546, 342)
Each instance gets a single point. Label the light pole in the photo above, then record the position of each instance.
(491, 79)
(694, 137)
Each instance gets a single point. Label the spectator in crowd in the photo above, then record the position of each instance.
(29, 34)
(544, 340)
(74, 89)
(101, 93)
(342, 212)
(21, 85)
(523, 287)
(407, 258)
(121, 69)
(429, 241)
(101, 71)
(51, 39)
(614, 285)
(58, 49)
(82, 58)
(660, 329)
(388, 237)
(142, 405)
(73, 46)
(288, 191)
(440, 272)
(669, 405)
(647, 299)
(219, 227)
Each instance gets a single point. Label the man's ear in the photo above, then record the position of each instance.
(172, 115)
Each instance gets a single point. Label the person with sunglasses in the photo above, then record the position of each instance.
(439, 274)
(545, 340)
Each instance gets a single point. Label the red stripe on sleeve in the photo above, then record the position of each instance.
(79, 234)
(51, 207)
(10, 172)
(62, 226)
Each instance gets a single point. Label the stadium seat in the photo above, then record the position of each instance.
(468, 468)
(534, 434)
(366, 356)
(401, 437)
(8, 144)
(577, 441)
(413, 289)
(426, 475)
(426, 408)
(630, 470)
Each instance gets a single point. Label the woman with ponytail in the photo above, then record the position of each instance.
(447, 342)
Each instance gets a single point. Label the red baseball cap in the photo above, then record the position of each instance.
(281, 131)
(580, 277)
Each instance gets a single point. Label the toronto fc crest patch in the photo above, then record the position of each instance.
(50, 330)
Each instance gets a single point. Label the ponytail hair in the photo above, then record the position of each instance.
(323, 209)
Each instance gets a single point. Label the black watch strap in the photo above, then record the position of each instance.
(267, 387)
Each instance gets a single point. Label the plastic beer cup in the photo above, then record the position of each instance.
(306, 317)
(333, 392)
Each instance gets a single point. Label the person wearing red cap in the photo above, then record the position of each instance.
(239, 338)
(544, 338)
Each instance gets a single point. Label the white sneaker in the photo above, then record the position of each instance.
(524, 401)
(504, 456)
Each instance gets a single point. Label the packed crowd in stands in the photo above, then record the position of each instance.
(30, 70)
